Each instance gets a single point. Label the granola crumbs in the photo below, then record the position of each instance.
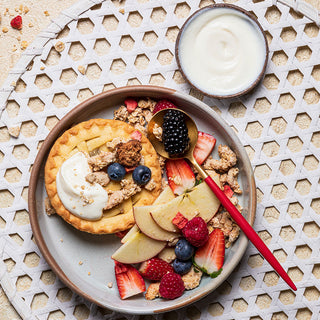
(136, 117)
(114, 142)
(153, 291)
(227, 160)
(101, 160)
(128, 154)
(14, 131)
(110, 285)
(192, 279)
(141, 128)
(46, 13)
(121, 114)
(82, 69)
(121, 10)
(5, 29)
(59, 46)
(231, 179)
(157, 131)
(80, 263)
(48, 207)
(150, 185)
(99, 177)
(147, 104)
(24, 45)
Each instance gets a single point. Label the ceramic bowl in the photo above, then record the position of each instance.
(203, 15)
(64, 247)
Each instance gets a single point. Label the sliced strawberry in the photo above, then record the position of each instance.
(155, 269)
(204, 146)
(179, 220)
(227, 191)
(129, 280)
(210, 257)
(136, 135)
(131, 104)
(163, 104)
(180, 176)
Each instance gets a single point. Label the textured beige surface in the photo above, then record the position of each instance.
(10, 50)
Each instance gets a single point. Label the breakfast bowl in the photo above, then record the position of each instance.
(82, 260)
(222, 51)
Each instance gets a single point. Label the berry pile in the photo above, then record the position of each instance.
(175, 133)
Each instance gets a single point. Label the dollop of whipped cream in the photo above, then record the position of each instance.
(81, 198)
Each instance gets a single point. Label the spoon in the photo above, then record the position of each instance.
(157, 119)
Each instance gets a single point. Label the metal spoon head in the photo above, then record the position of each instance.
(157, 119)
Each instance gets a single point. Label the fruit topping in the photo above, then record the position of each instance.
(16, 22)
(196, 232)
(128, 153)
(180, 176)
(182, 267)
(210, 257)
(129, 280)
(116, 171)
(203, 147)
(136, 135)
(131, 104)
(141, 175)
(179, 220)
(155, 269)
(227, 191)
(184, 250)
(175, 133)
(163, 104)
(171, 286)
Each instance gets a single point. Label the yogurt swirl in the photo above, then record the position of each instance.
(81, 198)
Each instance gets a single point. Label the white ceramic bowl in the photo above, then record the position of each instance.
(95, 250)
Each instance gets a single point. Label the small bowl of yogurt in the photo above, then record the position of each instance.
(222, 51)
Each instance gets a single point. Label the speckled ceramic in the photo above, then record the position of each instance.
(64, 247)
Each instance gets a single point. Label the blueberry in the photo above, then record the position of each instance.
(141, 175)
(116, 171)
(184, 250)
(182, 267)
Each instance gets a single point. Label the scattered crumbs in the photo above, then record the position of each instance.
(24, 45)
(80, 263)
(61, 240)
(59, 46)
(30, 24)
(5, 29)
(14, 131)
(89, 273)
(46, 13)
(82, 69)
(110, 285)
(121, 10)
(42, 68)
(14, 49)
(25, 9)
(18, 38)
(13, 83)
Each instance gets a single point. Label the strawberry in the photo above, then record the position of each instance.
(204, 146)
(179, 220)
(163, 104)
(180, 176)
(136, 135)
(196, 231)
(227, 191)
(171, 286)
(16, 22)
(155, 269)
(129, 280)
(131, 104)
(121, 234)
(210, 257)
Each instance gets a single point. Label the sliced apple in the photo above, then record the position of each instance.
(130, 233)
(199, 201)
(138, 248)
(148, 226)
(165, 196)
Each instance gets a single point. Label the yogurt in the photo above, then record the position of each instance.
(222, 51)
(81, 198)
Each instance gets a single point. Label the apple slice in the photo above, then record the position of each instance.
(199, 201)
(138, 248)
(130, 233)
(148, 226)
(165, 196)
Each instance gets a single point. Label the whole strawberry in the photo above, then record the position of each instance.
(171, 286)
(163, 104)
(196, 232)
(16, 22)
(155, 269)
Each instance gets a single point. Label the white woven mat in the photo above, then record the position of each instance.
(278, 123)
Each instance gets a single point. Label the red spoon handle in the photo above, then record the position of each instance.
(249, 232)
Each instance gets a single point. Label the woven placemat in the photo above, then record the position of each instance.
(95, 46)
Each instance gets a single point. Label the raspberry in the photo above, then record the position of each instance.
(155, 269)
(163, 104)
(196, 232)
(171, 286)
(16, 22)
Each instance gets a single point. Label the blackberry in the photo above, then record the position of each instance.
(175, 133)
